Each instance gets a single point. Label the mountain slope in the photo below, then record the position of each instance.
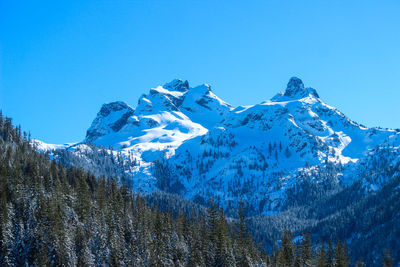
(295, 161)
(258, 152)
(206, 148)
(161, 122)
(51, 215)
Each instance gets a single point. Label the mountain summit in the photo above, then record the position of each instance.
(208, 148)
(293, 157)
(111, 118)
(177, 85)
(163, 119)
(295, 89)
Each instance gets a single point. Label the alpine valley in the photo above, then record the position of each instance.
(296, 162)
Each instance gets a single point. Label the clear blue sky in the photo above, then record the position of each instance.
(61, 61)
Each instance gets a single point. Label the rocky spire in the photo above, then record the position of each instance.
(177, 85)
(295, 89)
(111, 118)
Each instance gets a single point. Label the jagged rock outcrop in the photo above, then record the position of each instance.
(255, 153)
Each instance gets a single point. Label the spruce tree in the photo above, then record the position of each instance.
(387, 259)
(321, 260)
(330, 257)
(288, 248)
(242, 236)
(340, 255)
(306, 251)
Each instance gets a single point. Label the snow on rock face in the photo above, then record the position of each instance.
(254, 153)
(111, 118)
(177, 85)
(41, 146)
(379, 165)
(162, 121)
(204, 107)
(295, 90)
(295, 87)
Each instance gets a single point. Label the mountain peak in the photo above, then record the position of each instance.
(294, 86)
(177, 85)
(111, 118)
(295, 89)
(107, 108)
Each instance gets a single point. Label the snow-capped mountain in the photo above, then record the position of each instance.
(205, 147)
(257, 152)
(379, 165)
(161, 122)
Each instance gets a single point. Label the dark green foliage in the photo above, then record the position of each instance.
(51, 215)
(387, 259)
(368, 219)
(57, 215)
(340, 256)
(321, 259)
(290, 253)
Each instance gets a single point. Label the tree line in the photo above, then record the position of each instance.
(53, 215)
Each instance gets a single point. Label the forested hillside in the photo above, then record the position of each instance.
(51, 215)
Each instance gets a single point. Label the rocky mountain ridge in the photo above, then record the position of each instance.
(188, 141)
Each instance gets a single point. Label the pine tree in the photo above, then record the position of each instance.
(321, 260)
(340, 255)
(330, 260)
(157, 247)
(196, 246)
(222, 242)
(387, 259)
(8, 237)
(242, 236)
(288, 248)
(360, 263)
(306, 251)
(212, 231)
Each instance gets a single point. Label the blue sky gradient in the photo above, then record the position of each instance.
(59, 62)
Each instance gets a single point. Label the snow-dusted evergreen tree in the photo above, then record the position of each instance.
(57, 216)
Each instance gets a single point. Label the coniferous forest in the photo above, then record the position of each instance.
(199, 133)
(51, 215)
